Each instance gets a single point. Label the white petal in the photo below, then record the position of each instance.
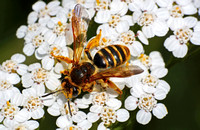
(159, 72)
(195, 38)
(29, 49)
(32, 124)
(171, 43)
(60, 40)
(19, 58)
(137, 90)
(164, 3)
(142, 38)
(143, 117)
(136, 48)
(160, 94)
(21, 31)
(47, 62)
(148, 31)
(50, 37)
(183, 2)
(160, 111)
(163, 85)
(22, 69)
(22, 116)
(85, 124)
(38, 113)
(26, 80)
(114, 103)
(79, 117)
(122, 26)
(38, 6)
(131, 103)
(148, 89)
(162, 13)
(189, 9)
(181, 51)
(102, 127)
(17, 99)
(63, 121)
(190, 21)
(53, 4)
(52, 83)
(102, 16)
(160, 28)
(96, 108)
(122, 115)
(93, 117)
(129, 19)
(49, 100)
(32, 17)
(197, 27)
(13, 78)
(34, 66)
(136, 16)
(39, 88)
(54, 110)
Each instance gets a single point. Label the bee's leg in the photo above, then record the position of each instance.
(113, 86)
(62, 58)
(91, 44)
(89, 87)
(64, 72)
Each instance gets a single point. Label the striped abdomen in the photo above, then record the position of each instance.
(111, 56)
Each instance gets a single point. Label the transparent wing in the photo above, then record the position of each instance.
(80, 21)
(121, 71)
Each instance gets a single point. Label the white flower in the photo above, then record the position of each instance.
(177, 43)
(32, 102)
(39, 76)
(178, 11)
(128, 39)
(14, 65)
(147, 103)
(107, 108)
(43, 12)
(152, 19)
(7, 82)
(12, 124)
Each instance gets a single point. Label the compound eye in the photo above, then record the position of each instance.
(75, 92)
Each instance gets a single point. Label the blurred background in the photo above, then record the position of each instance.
(183, 101)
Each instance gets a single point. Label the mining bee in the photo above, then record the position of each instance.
(84, 73)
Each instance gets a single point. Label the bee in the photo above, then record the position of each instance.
(84, 73)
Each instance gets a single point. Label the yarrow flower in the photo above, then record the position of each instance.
(26, 90)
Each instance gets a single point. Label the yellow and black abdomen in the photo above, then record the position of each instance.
(111, 56)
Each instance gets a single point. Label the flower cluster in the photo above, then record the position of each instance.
(49, 33)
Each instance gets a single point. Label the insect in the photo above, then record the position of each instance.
(84, 73)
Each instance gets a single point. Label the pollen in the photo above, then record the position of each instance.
(39, 75)
(10, 66)
(147, 102)
(59, 28)
(100, 98)
(5, 85)
(32, 103)
(38, 40)
(183, 34)
(150, 80)
(176, 11)
(127, 37)
(145, 60)
(9, 110)
(146, 19)
(102, 5)
(73, 108)
(108, 116)
(114, 20)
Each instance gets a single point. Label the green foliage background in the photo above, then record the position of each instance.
(183, 101)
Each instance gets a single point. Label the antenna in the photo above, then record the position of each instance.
(69, 106)
(52, 93)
